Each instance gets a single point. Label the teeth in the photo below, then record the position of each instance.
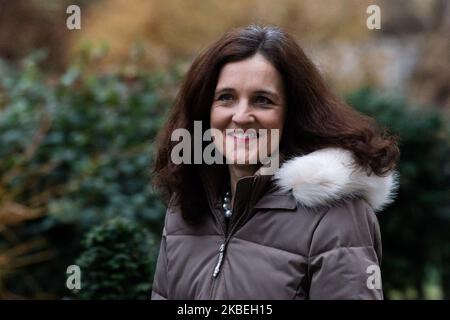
(242, 135)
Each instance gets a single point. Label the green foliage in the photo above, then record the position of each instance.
(415, 228)
(97, 133)
(118, 261)
(78, 148)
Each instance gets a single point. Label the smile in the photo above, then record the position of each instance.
(250, 134)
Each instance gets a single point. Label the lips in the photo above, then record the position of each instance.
(241, 135)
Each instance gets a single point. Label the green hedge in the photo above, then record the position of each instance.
(79, 149)
(415, 229)
(117, 261)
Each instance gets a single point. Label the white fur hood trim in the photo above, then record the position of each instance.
(327, 175)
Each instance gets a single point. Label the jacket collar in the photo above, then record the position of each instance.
(314, 180)
(260, 189)
(329, 175)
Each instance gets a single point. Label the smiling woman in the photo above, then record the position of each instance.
(249, 95)
(307, 230)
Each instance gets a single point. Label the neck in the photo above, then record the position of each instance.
(237, 172)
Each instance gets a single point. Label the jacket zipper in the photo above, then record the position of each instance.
(217, 266)
(220, 259)
(223, 246)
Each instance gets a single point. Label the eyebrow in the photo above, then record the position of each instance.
(267, 92)
(226, 89)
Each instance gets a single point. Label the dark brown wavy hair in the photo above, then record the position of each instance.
(315, 117)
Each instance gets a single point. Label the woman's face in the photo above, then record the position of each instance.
(248, 110)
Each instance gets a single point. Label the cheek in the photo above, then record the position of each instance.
(218, 118)
(273, 120)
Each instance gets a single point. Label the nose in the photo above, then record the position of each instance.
(243, 114)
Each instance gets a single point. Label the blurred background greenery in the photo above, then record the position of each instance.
(79, 111)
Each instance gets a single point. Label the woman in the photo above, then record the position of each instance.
(235, 230)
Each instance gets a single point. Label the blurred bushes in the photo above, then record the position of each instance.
(118, 261)
(415, 228)
(75, 151)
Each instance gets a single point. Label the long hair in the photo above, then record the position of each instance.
(315, 117)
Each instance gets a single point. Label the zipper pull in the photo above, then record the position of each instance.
(219, 261)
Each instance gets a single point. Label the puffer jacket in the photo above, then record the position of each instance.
(307, 232)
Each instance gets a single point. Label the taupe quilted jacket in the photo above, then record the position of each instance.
(307, 232)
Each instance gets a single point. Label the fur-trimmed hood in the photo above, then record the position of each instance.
(330, 174)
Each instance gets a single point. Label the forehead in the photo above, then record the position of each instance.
(252, 73)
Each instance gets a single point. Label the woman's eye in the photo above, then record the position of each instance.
(225, 97)
(262, 100)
